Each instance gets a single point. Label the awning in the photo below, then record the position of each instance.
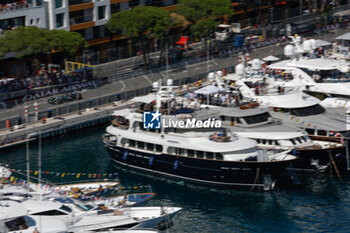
(208, 90)
(321, 43)
(346, 36)
(144, 99)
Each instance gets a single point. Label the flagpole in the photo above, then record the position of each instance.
(39, 166)
(27, 160)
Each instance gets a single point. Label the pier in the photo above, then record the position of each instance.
(58, 125)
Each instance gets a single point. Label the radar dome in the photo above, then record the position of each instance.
(211, 76)
(240, 69)
(256, 64)
(298, 39)
(289, 50)
(169, 82)
(313, 43)
(155, 85)
(219, 73)
(307, 46)
(344, 69)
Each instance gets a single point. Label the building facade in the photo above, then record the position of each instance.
(89, 17)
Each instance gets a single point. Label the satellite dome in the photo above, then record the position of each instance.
(256, 64)
(298, 39)
(307, 45)
(155, 85)
(344, 69)
(240, 69)
(289, 50)
(219, 73)
(169, 82)
(313, 43)
(211, 76)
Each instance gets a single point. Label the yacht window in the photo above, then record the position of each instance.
(292, 140)
(157, 130)
(270, 142)
(263, 141)
(305, 138)
(140, 125)
(209, 155)
(310, 131)
(149, 146)
(159, 148)
(190, 153)
(259, 141)
(256, 118)
(50, 213)
(140, 145)
(132, 143)
(200, 154)
(66, 208)
(222, 118)
(277, 143)
(218, 156)
(308, 111)
(238, 120)
(322, 132)
(124, 141)
(299, 140)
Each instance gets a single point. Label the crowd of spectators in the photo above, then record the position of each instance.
(14, 5)
(43, 78)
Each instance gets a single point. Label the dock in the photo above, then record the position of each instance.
(63, 124)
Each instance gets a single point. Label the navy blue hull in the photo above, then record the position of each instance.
(316, 159)
(211, 172)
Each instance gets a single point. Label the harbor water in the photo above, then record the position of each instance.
(319, 204)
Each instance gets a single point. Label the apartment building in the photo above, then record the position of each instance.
(89, 17)
(12, 15)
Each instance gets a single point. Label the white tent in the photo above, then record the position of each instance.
(270, 58)
(208, 90)
(321, 43)
(346, 36)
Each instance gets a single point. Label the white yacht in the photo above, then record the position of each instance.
(208, 155)
(14, 217)
(294, 107)
(321, 77)
(84, 217)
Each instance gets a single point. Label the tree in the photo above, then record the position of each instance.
(35, 41)
(141, 22)
(203, 14)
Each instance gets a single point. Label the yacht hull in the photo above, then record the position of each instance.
(320, 159)
(230, 174)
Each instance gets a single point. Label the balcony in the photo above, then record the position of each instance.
(81, 19)
(77, 2)
(9, 7)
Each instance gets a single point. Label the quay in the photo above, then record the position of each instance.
(58, 125)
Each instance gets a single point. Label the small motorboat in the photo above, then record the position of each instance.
(127, 200)
(76, 190)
